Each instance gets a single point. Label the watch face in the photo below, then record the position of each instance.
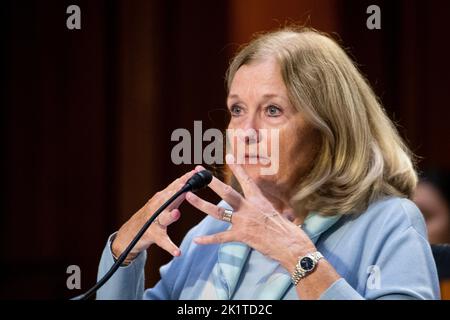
(307, 263)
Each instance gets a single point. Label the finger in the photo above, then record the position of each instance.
(177, 202)
(221, 237)
(168, 217)
(177, 184)
(199, 168)
(205, 206)
(248, 185)
(167, 244)
(226, 192)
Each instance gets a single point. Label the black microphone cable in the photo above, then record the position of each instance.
(199, 180)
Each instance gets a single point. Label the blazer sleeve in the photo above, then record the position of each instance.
(401, 265)
(128, 281)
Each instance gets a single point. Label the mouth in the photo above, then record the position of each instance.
(253, 156)
(256, 158)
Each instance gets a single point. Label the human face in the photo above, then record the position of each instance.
(258, 99)
(435, 211)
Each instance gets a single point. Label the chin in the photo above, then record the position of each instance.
(254, 171)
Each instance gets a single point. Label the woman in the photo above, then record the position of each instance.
(333, 222)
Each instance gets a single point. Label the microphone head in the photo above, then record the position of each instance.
(199, 180)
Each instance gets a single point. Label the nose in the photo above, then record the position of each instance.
(250, 131)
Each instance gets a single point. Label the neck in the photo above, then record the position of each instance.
(282, 205)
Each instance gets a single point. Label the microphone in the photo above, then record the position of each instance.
(196, 182)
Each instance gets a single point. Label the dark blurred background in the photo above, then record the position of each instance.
(87, 115)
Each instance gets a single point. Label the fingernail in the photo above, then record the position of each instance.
(176, 253)
(175, 213)
(229, 158)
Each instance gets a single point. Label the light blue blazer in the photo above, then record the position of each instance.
(380, 254)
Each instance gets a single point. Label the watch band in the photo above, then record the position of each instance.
(301, 272)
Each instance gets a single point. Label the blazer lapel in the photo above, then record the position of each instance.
(233, 255)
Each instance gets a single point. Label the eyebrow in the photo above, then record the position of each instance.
(267, 96)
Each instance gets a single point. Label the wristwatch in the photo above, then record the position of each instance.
(305, 265)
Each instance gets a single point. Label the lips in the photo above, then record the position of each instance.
(258, 158)
(248, 156)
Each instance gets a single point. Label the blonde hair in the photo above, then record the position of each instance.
(362, 158)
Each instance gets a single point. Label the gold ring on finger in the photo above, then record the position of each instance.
(227, 215)
(159, 222)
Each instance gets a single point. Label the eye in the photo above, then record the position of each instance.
(236, 110)
(273, 111)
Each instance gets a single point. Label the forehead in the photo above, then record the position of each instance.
(262, 78)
